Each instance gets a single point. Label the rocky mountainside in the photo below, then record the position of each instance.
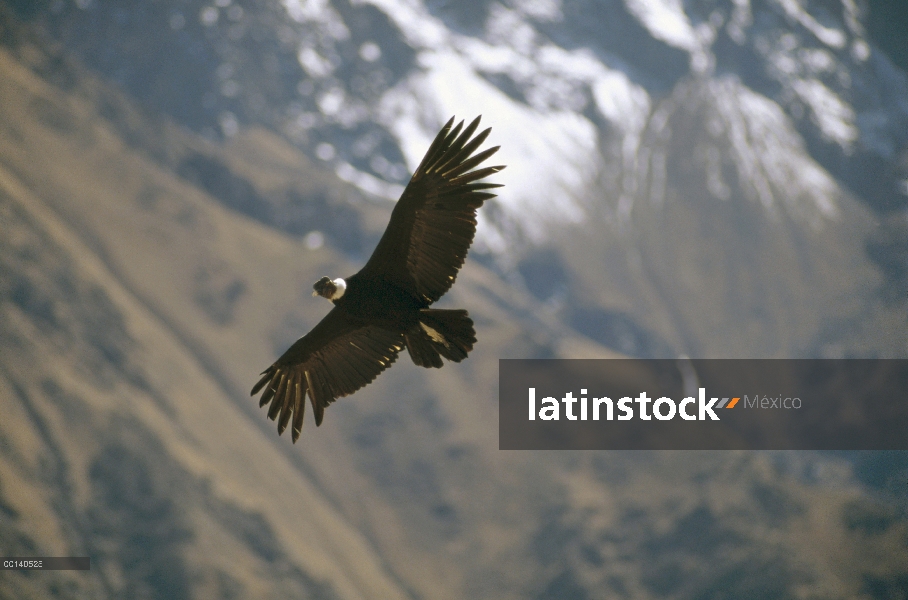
(154, 261)
(771, 134)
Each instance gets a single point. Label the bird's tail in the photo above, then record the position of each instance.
(447, 333)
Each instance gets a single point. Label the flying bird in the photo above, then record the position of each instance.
(384, 308)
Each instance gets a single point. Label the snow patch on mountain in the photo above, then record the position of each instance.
(830, 36)
(832, 115)
(769, 155)
(806, 73)
(321, 12)
(666, 21)
(550, 148)
(548, 155)
(419, 27)
(368, 183)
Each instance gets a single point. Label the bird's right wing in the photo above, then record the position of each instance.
(336, 358)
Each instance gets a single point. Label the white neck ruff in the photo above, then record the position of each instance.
(341, 288)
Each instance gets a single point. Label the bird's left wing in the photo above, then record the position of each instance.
(338, 357)
(433, 223)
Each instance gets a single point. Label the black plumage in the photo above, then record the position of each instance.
(384, 308)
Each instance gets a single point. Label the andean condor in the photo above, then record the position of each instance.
(385, 307)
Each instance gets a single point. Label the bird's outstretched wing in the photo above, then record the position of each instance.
(433, 223)
(335, 359)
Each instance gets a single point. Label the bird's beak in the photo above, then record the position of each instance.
(314, 294)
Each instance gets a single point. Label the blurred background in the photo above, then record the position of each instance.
(714, 179)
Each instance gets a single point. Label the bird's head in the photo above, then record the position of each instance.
(330, 289)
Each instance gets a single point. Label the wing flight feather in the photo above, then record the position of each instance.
(336, 358)
(434, 222)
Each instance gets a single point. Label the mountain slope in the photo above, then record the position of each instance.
(109, 439)
(149, 274)
(796, 118)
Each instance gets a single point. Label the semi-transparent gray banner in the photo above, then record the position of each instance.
(760, 404)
